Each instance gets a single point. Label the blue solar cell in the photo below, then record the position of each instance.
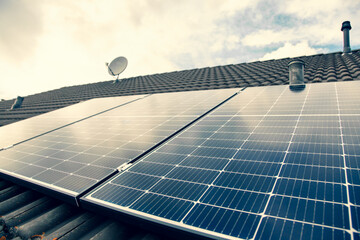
(352, 161)
(353, 176)
(50, 176)
(332, 139)
(352, 139)
(94, 172)
(30, 171)
(222, 143)
(316, 173)
(179, 189)
(265, 146)
(245, 181)
(193, 174)
(235, 199)
(135, 180)
(354, 194)
(258, 168)
(330, 214)
(47, 162)
(152, 168)
(162, 206)
(204, 162)
(75, 183)
(165, 158)
(318, 131)
(176, 149)
(275, 228)
(352, 149)
(68, 166)
(189, 134)
(225, 221)
(355, 217)
(214, 152)
(230, 136)
(119, 195)
(274, 130)
(187, 141)
(316, 148)
(311, 190)
(356, 236)
(328, 160)
(30, 159)
(261, 156)
(270, 137)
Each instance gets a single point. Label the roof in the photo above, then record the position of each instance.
(318, 68)
(28, 214)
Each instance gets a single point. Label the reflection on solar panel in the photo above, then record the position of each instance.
(75, 157)
(32, 127)
(268, 164)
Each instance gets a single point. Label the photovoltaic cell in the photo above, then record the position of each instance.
(268, 164)
(75, 157)
(35, 126)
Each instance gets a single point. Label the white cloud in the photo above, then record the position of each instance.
(50, 44)
(20, 27)
(290, 50)
(75, 38)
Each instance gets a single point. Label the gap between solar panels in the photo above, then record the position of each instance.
(66, 162)
(267, 164)
(124, 166)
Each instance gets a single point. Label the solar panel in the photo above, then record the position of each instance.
(32, 127)
(76, 157)
(269, 163)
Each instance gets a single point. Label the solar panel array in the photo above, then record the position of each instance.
(78, 156)
(269, 163)
(32, 127)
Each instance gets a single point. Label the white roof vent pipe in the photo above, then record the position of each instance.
(345, 28)
(296, 75)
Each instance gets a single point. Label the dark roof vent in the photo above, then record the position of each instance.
(17, 103)
(296, 75)
(345, 28)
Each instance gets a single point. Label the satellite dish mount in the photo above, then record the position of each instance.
(116, 67)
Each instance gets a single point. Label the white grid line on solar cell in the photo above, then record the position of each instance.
(346, 177)
(304, 223)
(200, 197)
(279, 172)
(38, 125)
(279, 115)
(157, 111)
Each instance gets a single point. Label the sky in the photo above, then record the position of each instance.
(46, 44)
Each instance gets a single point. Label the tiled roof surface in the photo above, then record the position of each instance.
(318, 68)
(26, 214)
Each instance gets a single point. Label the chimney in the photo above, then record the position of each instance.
(345, 28)
(296, 75)
(17, 103)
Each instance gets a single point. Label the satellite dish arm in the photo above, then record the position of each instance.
(111, 71)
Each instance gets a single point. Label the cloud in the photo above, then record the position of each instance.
(290, 50)
(52, 44)
(69, 41)
(317, 22)
(20, 27)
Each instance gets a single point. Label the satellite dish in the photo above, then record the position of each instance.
(117, 66)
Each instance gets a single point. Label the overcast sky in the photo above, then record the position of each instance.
(47, 44)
